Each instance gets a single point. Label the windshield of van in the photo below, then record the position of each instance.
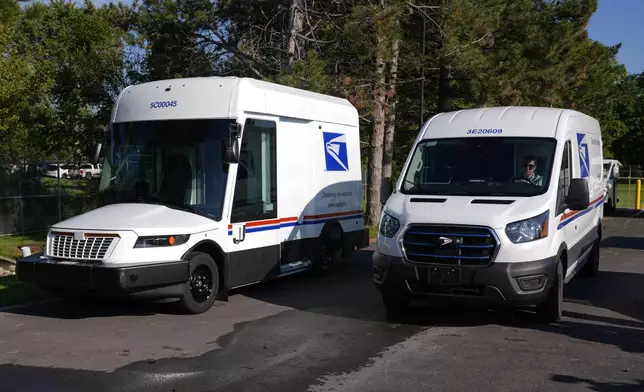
(177, 163)
(480, 166)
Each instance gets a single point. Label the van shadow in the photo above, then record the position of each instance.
(637, 385)
(635, 243)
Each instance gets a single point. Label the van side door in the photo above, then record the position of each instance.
(254, 225)
(564, 216)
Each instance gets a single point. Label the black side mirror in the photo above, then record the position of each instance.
(578, 197)
(385, 190)
(231, 144)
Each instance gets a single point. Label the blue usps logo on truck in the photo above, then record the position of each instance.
(584, 156)
(335, 151)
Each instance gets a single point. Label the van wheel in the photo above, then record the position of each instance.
(591, 267)
(329, 253)
(200, 291)
(395, 303)
(549, 311)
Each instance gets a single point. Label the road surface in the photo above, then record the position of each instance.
(305, 334)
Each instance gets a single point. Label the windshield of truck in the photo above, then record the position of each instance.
(177, 163)
(480, 166)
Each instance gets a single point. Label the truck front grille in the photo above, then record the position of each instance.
(91, 248)
(449, 245)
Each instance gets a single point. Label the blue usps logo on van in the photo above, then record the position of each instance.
(335, 151)
(584, 155)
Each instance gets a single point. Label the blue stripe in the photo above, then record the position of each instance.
(460, 246)
(450, 234)
(584, 212)
(295, 223)
(450, 257)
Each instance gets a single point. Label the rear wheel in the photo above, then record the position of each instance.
(591, 267)
(550, 310)
(200, 291)
(329, 253)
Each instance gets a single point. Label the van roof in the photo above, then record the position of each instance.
(228, 97)
(523, 121)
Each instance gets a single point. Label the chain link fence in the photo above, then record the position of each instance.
(35, 195)
(627, 186)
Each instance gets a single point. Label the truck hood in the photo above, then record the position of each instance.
(143, 219)
(460, 209)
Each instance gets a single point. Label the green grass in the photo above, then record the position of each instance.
(14, 292)
(626, 195)
(9, 245)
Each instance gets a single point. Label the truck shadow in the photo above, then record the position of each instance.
(637, 385)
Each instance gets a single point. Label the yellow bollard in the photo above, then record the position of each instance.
(638, 194)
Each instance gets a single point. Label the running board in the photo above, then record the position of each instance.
(295, 267)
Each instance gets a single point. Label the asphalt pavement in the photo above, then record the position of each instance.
(332, 334)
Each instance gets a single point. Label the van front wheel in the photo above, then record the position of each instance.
(200, 291)
(549, 311)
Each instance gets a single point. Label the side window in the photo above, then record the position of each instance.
(565, 174)
(255, 195)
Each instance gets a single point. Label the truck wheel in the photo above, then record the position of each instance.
(549, 311)
(395, 303)
(329, 253)
(201, 289)
(591, 268)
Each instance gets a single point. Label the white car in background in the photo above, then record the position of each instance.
(55, 170)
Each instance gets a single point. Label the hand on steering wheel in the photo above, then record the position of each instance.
(521, 179)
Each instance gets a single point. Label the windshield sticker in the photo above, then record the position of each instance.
(483, 131)
(163, 104)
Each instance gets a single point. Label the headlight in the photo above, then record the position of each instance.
(529, 229)
(161, 240)
(389, 225)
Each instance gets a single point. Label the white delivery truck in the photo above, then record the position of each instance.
(210, 184)
(611, 174)
(498, 206)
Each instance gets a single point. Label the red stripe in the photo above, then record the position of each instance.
(268, 222)
(575, 212)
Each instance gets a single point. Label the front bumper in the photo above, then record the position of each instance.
(55, 274)
(524, 283)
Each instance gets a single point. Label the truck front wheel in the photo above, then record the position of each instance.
(200, 291)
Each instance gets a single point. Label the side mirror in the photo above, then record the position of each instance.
(578, 197)
(231, 144)
(615, 171)
(96, 154)
(385, 190)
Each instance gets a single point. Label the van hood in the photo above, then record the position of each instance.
(465, 210)
(141, 218)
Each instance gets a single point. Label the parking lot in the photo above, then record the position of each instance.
(305, 334)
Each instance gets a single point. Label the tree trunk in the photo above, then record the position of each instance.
(294, 48)
(443, 89)
(390, 116)
(377, 136)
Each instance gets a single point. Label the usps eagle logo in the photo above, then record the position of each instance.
(335, 151)
(584, 156)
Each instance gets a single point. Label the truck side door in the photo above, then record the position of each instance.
(254, 225)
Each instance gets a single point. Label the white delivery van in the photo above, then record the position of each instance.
(497, 206)
(611, 174)
(210, 184)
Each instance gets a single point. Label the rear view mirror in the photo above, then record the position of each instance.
(231, 144)
(578, 197)
(385, 190)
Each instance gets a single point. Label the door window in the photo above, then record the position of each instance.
(565, 175)
(255, 195)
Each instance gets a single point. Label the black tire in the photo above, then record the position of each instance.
(396, 303)
(550, 310)
(591, 267)
(201, 290)
(329, 253)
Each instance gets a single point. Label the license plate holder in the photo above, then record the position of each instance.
(444, 276)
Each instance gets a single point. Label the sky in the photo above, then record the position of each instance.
(618, 21)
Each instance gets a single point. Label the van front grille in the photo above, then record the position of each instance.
(449, 245)
(91, 248)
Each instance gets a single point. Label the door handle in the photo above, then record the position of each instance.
(242, 234)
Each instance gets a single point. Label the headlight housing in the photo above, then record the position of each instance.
(528, 229)
(156, 241)
(389, 225)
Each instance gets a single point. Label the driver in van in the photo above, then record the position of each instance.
(530, 170)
